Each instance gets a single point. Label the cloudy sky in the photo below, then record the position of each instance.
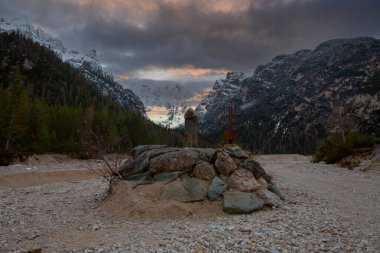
(195, 39)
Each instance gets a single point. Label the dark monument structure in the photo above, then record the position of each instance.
(191, 129)
(230, 135)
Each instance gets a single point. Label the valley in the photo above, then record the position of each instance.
(189, 126)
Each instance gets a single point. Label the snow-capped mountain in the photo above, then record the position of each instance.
(86, 62)
(224, 92)
(292, 102)
(167, 101)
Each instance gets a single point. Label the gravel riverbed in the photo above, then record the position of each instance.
(328, 209)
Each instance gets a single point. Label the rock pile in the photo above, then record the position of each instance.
(196, 174)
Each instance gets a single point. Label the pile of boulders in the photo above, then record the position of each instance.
(196, 174)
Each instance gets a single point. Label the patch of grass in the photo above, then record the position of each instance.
(334, 147)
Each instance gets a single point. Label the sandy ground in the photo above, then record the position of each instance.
(46, 169)
(57, 204)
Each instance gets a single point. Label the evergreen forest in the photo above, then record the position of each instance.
(46, 105)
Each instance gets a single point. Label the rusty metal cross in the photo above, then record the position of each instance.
(230, 135)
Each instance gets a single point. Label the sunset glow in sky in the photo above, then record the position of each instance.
(195, 39)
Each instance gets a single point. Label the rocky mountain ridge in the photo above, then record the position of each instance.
(87, 63)
(292, 102)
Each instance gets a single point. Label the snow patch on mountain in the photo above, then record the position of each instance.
(86, 62)
(224, 92)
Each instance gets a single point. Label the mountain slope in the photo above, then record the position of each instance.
(292, 102)
(47, 105)
(87, 63)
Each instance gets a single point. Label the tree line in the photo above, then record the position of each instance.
(48, 106)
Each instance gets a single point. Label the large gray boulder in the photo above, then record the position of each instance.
(204, 170)
(270, 199)
(241, 202)
(224, 164)
(147, 179)
(217, 187)
(273, 188)
(174, 161)
(256, 169)
(186, 189)
(243, 180)
(263, 183)
(205, 154)
(160, 151)
(237, 152)
(139, 165)
(167, 177)
(143, 148)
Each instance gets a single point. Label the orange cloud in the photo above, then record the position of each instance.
(122, 77)
(157, 113)
(175, 73)
(172, 73)
(190, 69)
(132, 6)
(148, 7)
(198, 95)
(227, 6)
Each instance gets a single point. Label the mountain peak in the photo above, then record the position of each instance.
(86, 62)
(345, 42)
(92, 54)
(235, 76)
(20, 20)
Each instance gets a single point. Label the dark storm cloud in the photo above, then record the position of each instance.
(168, 34)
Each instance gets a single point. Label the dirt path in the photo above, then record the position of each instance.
(47, 169)
(34, 178)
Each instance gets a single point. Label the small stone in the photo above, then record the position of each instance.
(262, 249)
(230, 228)
(34, 236)
(244, 229)
(96, 227)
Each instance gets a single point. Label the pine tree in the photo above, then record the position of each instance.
(17, 110)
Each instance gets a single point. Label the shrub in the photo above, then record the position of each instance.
(6, 157)
(334, 148)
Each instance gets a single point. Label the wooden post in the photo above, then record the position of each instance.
(191, 129)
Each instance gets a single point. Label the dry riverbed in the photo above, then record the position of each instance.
(59, 209)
